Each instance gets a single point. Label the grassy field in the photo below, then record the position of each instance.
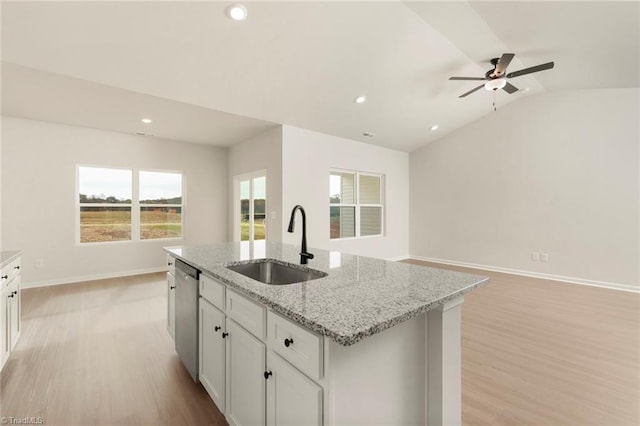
(259, 231)
(99, 226)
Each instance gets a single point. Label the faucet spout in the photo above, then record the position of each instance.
(304, 254)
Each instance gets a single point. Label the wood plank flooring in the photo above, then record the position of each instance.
(539, 352)
(98, 353)
(535, 352)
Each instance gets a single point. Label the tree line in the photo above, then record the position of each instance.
(110, 199)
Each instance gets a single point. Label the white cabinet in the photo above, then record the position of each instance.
(213, 352)
(246, 380)
(171, 296)
(292, 398)
(13, 312)
(232, 359)
(259, 368)
(10, 308)
(4, 332)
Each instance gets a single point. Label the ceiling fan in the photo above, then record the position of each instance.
(497, 77)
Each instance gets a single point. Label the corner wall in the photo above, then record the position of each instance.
(307, 158)
(39, 198)
(555, 173)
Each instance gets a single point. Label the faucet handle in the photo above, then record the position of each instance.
(307, 255)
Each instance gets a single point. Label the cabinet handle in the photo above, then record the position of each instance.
(16, 267)
(217, 328)
(169, 263)
(288, 342)
(11, 295)
(267, 374)
(14, 293)
(224, 335)
(171, 287)
(4, 277)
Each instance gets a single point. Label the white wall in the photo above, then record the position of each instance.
(307, 158)
(262, 152)
(556, 173)
(39, 193)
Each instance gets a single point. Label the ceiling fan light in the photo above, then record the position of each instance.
(495, 84)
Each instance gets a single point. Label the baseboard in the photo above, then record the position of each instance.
(398, 258)
(70, 280)
(571, 280)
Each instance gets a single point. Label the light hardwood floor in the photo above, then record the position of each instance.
(99, 353)
(539, 352)
(535, 352)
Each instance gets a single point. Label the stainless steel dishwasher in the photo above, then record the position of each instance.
(186, 334)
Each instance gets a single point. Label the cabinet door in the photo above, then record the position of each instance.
(292, 398)
(245, 377)
(212, 352)
(14, 312)
(171, 305)
(4, 325)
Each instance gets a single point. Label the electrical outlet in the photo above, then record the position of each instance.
(39, 263)
(544, 257)
(535, 256)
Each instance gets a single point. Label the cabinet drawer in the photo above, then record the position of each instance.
(296, 344)
(247, 313)
(10, 271)
(212, 290)
(171, 263)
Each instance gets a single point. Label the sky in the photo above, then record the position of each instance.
(259, 188)
(119, 183)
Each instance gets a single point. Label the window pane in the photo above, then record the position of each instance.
(342, 222)
(370, 221)
(160, 222)
(101, 185)
(244, 210)
(99, 224)
(342, 188)
(259, 203)
(369, 189)
(160, 188)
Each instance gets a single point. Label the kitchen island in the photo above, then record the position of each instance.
(388, 334)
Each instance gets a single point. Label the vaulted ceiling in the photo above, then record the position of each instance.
(207, 79)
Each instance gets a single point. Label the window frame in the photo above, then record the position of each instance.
(357, 205)
(135, 206)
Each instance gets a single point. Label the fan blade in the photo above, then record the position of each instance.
(530, 70)
(510, 88)
(468, 78)
(503, 63)
(471, 91)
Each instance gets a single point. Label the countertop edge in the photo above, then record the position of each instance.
(11, 255)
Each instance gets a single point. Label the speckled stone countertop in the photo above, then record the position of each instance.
(7, 257)
(360, 297)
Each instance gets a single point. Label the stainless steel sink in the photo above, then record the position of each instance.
(272, 272)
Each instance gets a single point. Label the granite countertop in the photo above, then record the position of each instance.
(7, 257)
(360, 297)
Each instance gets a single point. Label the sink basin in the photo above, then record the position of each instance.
(272, 272)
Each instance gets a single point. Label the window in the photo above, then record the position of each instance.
(128, 205)
(355, 204)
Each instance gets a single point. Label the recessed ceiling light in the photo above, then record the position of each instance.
(237, 12)
(434, 127)
(146, 120)
(360, 99)
(369, 134)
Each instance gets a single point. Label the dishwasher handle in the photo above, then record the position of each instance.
(187, 271)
